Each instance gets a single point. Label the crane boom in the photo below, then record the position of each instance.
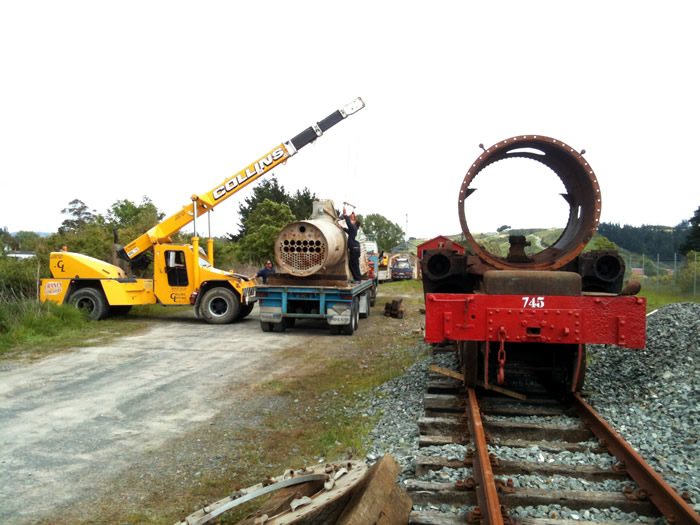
(201, 204)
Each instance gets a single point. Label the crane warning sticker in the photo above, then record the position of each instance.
(53, 288)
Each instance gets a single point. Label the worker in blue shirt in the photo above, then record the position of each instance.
(265, 271)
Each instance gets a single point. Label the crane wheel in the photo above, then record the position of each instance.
(91, 301)
(219, 306)
(245, 311)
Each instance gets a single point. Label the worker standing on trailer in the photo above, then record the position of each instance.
(353, 225)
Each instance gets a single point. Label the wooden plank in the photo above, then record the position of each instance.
(429, 441)
(501, 390)
(538, 431)
(443, 425)
(427, 492)
(436, 518)
(510, 468)
(576, 500)
(588, 472)
(521, 410)
(369, 500)
(397, 509)
(445, 403)
(557, 521)
(444, 386)
(446, 372)
(546, 446)
(425, 464)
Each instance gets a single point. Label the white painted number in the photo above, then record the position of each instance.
(533, 302)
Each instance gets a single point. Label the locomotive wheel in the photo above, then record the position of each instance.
(91, 301)
(220, 306)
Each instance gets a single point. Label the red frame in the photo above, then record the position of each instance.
(619, 320)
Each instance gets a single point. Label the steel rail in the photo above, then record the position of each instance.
(662, 495)
(486, 492)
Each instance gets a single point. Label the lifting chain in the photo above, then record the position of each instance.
(501, 375)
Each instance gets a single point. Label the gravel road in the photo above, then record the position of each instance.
(74, 420)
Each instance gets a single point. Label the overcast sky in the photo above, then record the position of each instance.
(103, 101)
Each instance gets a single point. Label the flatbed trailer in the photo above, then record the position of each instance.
(340, 306)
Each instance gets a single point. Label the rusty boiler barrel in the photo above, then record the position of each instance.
(304, 248)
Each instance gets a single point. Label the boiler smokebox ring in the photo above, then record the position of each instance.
(582, 194)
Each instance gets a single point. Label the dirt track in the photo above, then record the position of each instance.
(70, 422)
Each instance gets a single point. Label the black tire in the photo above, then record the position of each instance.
(245, 311)
(278, 327)
(335, 329)
(350, 328)
(265, 326)
(91, 301)
(118, 311)
(220, 306)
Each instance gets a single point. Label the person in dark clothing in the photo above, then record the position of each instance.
(353, 246)
(265, 271)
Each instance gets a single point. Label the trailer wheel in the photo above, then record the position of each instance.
(220, 306)
(278, 327)
(91, 301)
(350, 328)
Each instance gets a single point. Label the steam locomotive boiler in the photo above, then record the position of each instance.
(523, 318)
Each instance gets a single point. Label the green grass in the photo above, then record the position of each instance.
(31, 329)
(662, 297)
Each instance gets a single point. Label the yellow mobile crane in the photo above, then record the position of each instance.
(182, 273)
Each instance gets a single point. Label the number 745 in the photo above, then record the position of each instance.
(533, 302)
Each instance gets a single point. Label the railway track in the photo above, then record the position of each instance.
(490, 458)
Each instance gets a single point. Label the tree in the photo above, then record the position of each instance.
(27, 241)
(263, 224)
(692, 241)
(387, 234)
(600, 242)
(130, 220)
(503, 228)
(7, 241)
(78, 216)
(301, 203)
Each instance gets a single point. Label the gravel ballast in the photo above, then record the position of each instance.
(652, 396)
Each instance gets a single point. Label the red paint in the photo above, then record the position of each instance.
(619, 320)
